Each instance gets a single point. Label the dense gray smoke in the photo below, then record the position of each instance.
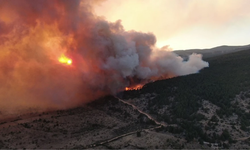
(58, 54)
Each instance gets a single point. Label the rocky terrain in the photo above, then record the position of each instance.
(75, 128)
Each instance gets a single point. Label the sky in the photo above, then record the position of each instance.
(183, 24)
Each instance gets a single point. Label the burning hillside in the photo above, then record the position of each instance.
(58, 54)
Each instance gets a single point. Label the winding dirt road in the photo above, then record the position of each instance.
(126, 134)
(144, 113)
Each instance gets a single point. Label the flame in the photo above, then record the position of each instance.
(136, 87)
(65, 60)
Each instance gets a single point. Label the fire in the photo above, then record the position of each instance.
(65, 60)
(137, 87)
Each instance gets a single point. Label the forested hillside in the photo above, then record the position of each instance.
(225, 85)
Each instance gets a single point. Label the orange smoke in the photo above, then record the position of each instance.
(37, 37)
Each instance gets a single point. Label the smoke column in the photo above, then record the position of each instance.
(103, 57)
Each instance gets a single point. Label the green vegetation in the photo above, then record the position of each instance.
(138, 134)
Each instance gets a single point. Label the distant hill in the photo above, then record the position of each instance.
(216, 51)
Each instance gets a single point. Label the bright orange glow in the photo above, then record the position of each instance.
(65, 60)
(137, 87)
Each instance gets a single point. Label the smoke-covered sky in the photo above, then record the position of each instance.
(184, 24)
(57, 54)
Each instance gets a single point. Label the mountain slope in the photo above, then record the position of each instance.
(211, 106)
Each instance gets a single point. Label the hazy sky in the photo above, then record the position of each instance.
(184, 24)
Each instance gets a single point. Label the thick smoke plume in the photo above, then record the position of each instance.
(105, 57)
